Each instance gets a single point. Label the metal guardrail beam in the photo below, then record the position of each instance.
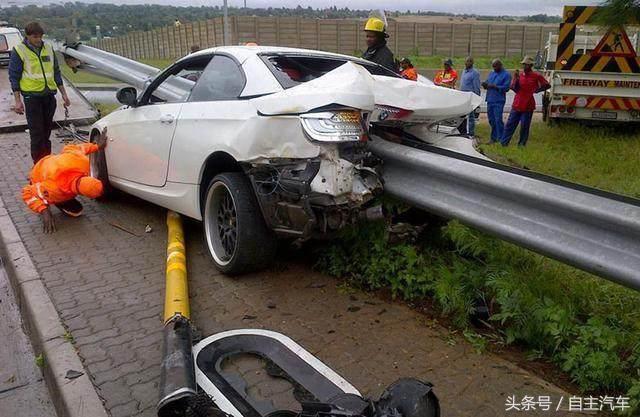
(111, 65)
(579, 226)
(123, 69)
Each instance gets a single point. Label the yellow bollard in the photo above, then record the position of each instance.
(177, 374)
(176, 301)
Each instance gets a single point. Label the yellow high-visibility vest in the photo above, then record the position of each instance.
(37, 70)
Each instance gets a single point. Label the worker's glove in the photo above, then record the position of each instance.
(48, 222)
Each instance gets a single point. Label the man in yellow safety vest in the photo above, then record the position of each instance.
(35, 77)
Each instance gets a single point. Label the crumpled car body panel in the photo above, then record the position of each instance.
(159, 151)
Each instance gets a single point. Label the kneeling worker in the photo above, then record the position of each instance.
(58, 179)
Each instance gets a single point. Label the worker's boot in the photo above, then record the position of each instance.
(71, 208)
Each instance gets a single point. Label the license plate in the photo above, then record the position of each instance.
(604, 115)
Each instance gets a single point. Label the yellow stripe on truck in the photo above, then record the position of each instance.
(600, 64)
(623, 64)
(586, 15)
(579, 66)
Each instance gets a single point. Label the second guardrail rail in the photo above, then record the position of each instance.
(590, 229)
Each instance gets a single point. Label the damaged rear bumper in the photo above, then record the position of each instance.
(306, 198)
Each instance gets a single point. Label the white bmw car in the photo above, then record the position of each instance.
(263, 142)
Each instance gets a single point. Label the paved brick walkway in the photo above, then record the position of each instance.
(107, 285)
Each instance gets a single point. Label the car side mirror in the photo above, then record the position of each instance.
(127, 96)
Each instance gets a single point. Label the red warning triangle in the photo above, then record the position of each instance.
(615, 43)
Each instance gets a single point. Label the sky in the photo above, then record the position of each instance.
(484, 7)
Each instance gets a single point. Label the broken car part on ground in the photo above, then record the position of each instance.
(193, 381)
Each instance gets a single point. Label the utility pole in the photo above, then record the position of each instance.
(227, 39)
(245, 4)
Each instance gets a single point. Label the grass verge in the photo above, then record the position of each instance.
(480, 62)
(587, 326)
(601, 157)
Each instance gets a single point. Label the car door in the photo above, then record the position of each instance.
(213, 119)
(141, 136)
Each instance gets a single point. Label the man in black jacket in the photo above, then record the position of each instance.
(377, 49)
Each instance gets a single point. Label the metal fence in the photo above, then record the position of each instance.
(335, 35)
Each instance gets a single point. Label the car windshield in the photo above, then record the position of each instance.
(291, 70)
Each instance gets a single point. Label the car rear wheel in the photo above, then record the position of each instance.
(235, 232)
(98, 169)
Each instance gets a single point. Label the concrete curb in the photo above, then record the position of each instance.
(71, 398)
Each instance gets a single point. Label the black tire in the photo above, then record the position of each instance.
(98, 165)
(234, 230)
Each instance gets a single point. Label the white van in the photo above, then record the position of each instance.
(9, 37)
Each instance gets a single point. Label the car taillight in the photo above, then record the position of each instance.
(391, 113)
(334, 126)
(562, 109)
(554, 109)
(571, 110)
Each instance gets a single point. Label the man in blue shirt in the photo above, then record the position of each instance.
(470, 81)
(497, 85)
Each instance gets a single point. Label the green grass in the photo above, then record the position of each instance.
(480, 62)
(587, 326)
(40, 361)
(605, 158)
(85, 77)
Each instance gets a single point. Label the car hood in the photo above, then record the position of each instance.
(349, 85)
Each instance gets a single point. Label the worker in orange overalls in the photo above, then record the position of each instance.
(446, 77)
(408, 71)
(58, 179)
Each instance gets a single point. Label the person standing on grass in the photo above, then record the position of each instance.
(525, 85)
(469, 81)
(497, 85)
(34, 75)
(408, 71)
(446, 77)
